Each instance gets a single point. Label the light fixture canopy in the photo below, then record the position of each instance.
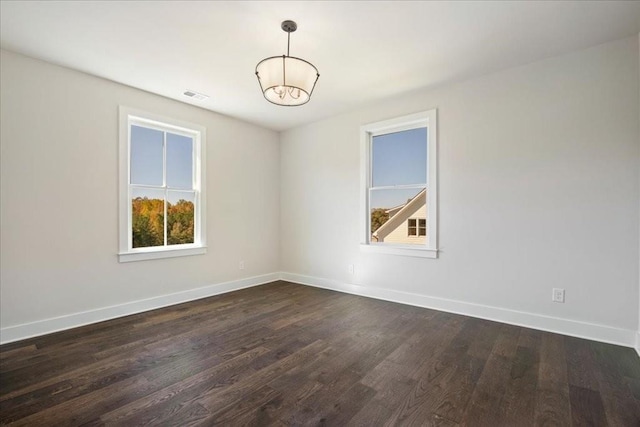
(287, 80)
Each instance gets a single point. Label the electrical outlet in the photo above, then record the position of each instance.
(352, 268)
(558, 295)
(241, 265)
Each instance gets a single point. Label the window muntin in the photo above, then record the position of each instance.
(399, 185)
(162, 213)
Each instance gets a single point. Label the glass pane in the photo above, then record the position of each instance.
(422, 226)
(179, 161)
(180, 217)
(399, 158)
(147, 217)
(397, 215)
(146, 156)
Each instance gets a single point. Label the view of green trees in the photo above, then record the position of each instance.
(148, 222)
(378, 217)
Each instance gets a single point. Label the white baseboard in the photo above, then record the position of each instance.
(574, 328)
(47, 326)
(628, 338)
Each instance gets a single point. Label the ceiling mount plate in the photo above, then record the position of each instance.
(289, 26)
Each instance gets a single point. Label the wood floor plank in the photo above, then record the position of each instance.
(372, 414)
(284, 406)
(160, 402)
(420, 347)
(325, 396)
(338, 411)
(85, 407)
(165, 348)
(634, 386)
(192, 414)
(283, 354)
(621, 408)
(507, 341)
(456, 397)
(484, 341)
(552, 395)
(518, 404)
(376, 354)
(242, 412)
(581, 365)
(426, 396)
(87, 381)
(218, 398)
(586, 407)
(485, 405)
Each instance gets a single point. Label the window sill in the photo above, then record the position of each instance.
(399, 250)
(161, 253)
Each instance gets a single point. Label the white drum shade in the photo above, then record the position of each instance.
(286, 80)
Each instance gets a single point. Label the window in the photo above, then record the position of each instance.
(416, 227)
(162, 207)
(399, 185)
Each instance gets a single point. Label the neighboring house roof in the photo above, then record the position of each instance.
(395, 210)
(401, 215)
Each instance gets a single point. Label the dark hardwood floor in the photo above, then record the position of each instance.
(285, 354)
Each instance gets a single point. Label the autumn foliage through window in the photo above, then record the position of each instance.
(148, 222)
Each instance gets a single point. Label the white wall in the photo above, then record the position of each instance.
(539, 188)
(59, 197)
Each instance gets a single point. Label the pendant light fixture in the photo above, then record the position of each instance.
(287, 80)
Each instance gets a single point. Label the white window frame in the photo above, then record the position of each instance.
(426, 119)
(128, 117)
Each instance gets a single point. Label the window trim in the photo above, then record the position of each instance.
(130, 116)
(426, 119)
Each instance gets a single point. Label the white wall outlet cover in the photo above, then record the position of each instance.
(558, 295)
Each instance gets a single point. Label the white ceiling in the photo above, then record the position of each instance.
(364, 50)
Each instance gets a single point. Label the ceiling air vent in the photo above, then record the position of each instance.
(195, 95)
